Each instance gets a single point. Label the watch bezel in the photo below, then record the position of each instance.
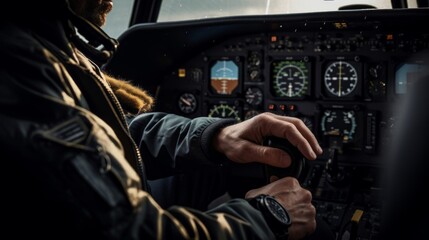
(279, 227)
(285, 219)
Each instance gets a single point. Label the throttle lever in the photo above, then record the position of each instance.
(334, 174)
(298, 161)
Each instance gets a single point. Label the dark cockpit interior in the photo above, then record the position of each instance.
(342, 73)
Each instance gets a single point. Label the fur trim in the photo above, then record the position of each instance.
(133, 99)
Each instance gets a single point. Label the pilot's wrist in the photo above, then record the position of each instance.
(276, 216)
(208, 140)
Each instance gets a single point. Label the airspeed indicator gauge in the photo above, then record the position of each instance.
(290, 79)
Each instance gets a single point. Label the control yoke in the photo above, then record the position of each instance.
(297, 164)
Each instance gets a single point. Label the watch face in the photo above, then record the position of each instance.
(278, 211)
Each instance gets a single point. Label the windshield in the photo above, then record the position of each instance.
(118, 19)
(178, 10)
(174, 10)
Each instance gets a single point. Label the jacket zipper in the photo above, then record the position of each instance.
(122, 120)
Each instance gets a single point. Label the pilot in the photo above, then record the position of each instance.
(72, 170)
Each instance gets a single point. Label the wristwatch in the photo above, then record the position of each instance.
(275, 215)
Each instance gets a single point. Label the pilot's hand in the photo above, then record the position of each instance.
(242, 142)
(297, 202)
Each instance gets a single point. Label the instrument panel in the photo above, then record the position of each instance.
(341, 84)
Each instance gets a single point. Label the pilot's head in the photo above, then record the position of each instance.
(82, 16)
(94, 11)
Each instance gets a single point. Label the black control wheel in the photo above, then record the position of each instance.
(298, 160)
(243, 177)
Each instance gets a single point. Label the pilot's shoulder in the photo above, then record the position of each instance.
(19, 45)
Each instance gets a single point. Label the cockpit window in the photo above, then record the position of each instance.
(118, 19)
(178, 10)
(174, 10)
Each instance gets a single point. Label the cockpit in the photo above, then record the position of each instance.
(342, 67)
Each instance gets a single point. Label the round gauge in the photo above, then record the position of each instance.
(255, 59)
(254, 74)
(187, 103)
(224, 77)
(250, 114)
(224, 111)
(290, 79)
(340, 123)
(377, 88)
(341, 78)
(254, 96)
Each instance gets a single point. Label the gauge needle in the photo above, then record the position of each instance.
(339, 81)
(289, 90)
(333, 132)
(185, 101)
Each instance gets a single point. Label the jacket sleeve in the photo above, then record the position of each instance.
(170, 143)
(235, 219)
